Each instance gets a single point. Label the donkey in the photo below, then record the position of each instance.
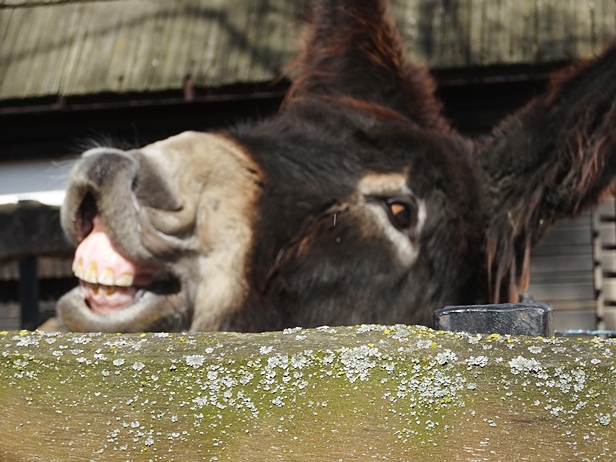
(356, 203)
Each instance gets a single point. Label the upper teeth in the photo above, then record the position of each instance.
(106, 277)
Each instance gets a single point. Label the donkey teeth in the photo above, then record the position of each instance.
(125, 280)
(107, 277)
(78, 268)
(91, 274)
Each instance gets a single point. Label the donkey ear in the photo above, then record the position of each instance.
(354, 52)
(553, 159)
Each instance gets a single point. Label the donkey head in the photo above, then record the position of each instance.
(357, 203)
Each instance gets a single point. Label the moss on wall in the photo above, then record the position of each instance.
(350, 393)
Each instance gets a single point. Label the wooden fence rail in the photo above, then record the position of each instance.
(352, 393)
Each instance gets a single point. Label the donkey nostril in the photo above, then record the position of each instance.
(88, 210)
(135, 183)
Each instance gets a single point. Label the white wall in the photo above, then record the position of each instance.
(42, 180)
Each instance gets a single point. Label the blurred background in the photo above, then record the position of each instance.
(77, 74)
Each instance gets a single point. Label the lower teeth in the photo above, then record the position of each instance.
(95, 288)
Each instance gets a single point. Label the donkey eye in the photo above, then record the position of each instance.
(402, 214)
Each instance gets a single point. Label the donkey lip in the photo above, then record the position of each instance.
(108, 300)
(110, 281)
(104, 300)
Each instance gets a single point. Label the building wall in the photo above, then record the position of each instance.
(562, 274)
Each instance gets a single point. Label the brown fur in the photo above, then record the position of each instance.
(345, 38)
(357, 203)
(573, 164)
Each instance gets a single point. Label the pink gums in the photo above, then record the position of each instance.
(106, 276)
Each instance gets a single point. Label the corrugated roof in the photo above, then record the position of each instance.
(30, 3)
(122, 46)
(75, 48)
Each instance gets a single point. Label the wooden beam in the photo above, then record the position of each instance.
(30, 228)
(351, 393)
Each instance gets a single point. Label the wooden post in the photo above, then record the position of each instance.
(351, 393)
(28, 293)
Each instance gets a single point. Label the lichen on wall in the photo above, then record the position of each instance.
(350, 393)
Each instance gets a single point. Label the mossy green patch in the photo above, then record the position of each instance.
(327, 394)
